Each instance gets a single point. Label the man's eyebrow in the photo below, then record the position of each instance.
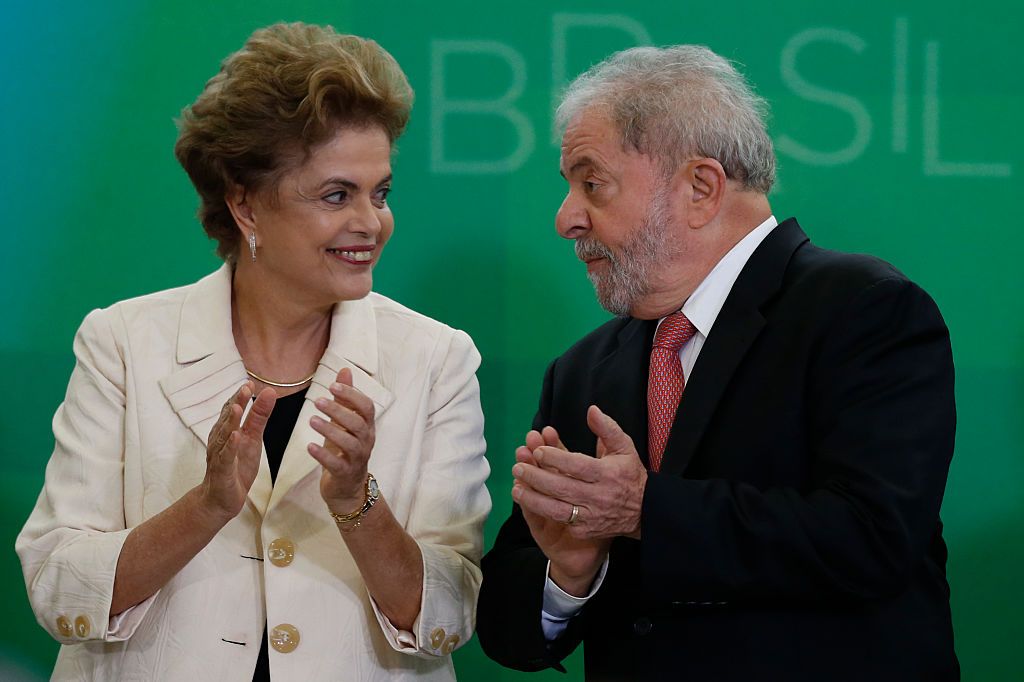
(582, 162)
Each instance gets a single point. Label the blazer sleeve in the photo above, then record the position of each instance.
(515, 571)
(70, 544)
(446, 519)
(879, 427)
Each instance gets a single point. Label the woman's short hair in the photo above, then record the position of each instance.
(287, 90)
(672, 103)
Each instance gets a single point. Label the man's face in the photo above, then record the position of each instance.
(618, 211)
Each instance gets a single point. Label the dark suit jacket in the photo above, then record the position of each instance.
(793, 531)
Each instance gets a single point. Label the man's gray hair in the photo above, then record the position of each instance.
(673, 103)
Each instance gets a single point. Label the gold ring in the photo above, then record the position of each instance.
(572, 517)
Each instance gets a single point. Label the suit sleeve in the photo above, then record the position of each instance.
(880, 430)
(452, 502)
(515, 570)
(70, 544)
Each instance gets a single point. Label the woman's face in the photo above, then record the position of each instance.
(322, 237)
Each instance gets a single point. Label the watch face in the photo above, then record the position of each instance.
(372, 488)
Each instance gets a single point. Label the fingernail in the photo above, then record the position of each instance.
(516, 492)
(538, 455)
(314, 420)
(320, 402)
(337, 388)
(517, 470)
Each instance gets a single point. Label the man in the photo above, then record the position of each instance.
(738, 478)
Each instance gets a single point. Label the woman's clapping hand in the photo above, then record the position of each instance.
(348, 439)
(233, 451)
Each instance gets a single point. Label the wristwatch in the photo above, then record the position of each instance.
(372, 493)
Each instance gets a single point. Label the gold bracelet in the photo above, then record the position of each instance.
(348, 529)
(372, 493)
(346, 518)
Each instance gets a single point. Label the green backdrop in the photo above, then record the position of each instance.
(898, 132)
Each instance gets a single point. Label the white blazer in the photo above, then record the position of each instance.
(151, 377)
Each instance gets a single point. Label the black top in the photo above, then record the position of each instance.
(279, 428)
(275, 438)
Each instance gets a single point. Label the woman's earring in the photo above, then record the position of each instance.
(252, 245)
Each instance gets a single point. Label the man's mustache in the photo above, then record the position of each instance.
(589, 249)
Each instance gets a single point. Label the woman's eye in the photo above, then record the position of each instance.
(338, 197)
(381, 196)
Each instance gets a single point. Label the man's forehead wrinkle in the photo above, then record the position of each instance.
(576, 154)
(585, 144)
(582, 153)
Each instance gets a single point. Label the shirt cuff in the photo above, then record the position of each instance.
(124, 624)
(402, 641)
(559, 606)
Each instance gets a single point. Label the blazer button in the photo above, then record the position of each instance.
(281, 552)
(437, 638)
(82, 627)
(642, 625)
(284, 638)
(450, 644)
(64, 626)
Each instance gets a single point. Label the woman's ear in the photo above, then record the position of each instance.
(239, 202)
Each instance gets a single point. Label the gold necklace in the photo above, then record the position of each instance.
(277, 384)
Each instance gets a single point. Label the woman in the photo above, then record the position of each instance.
(167, 539)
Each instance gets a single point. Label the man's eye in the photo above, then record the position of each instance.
(589, 186)
(338, 197)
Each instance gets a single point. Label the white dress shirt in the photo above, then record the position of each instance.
(701, 308)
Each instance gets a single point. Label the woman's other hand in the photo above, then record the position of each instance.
(348, 435)
(233, 452)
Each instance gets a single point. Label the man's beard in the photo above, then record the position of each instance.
(627, 275)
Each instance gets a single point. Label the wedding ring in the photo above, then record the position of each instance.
(572, 517)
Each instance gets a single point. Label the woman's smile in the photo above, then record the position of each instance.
(354, 255)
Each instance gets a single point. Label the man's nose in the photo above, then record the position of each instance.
(572, 220)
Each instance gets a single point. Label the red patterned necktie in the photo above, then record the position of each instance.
(665, 382)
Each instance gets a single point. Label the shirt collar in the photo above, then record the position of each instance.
(704, 304)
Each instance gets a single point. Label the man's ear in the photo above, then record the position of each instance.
(239, 202)
(701, 184)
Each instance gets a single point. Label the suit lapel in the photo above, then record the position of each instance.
(738, 325)
(620, 389)
(353, 344)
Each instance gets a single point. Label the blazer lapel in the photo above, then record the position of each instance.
(620, 390)
(353, 344)
(738, 324)
(210, 369)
